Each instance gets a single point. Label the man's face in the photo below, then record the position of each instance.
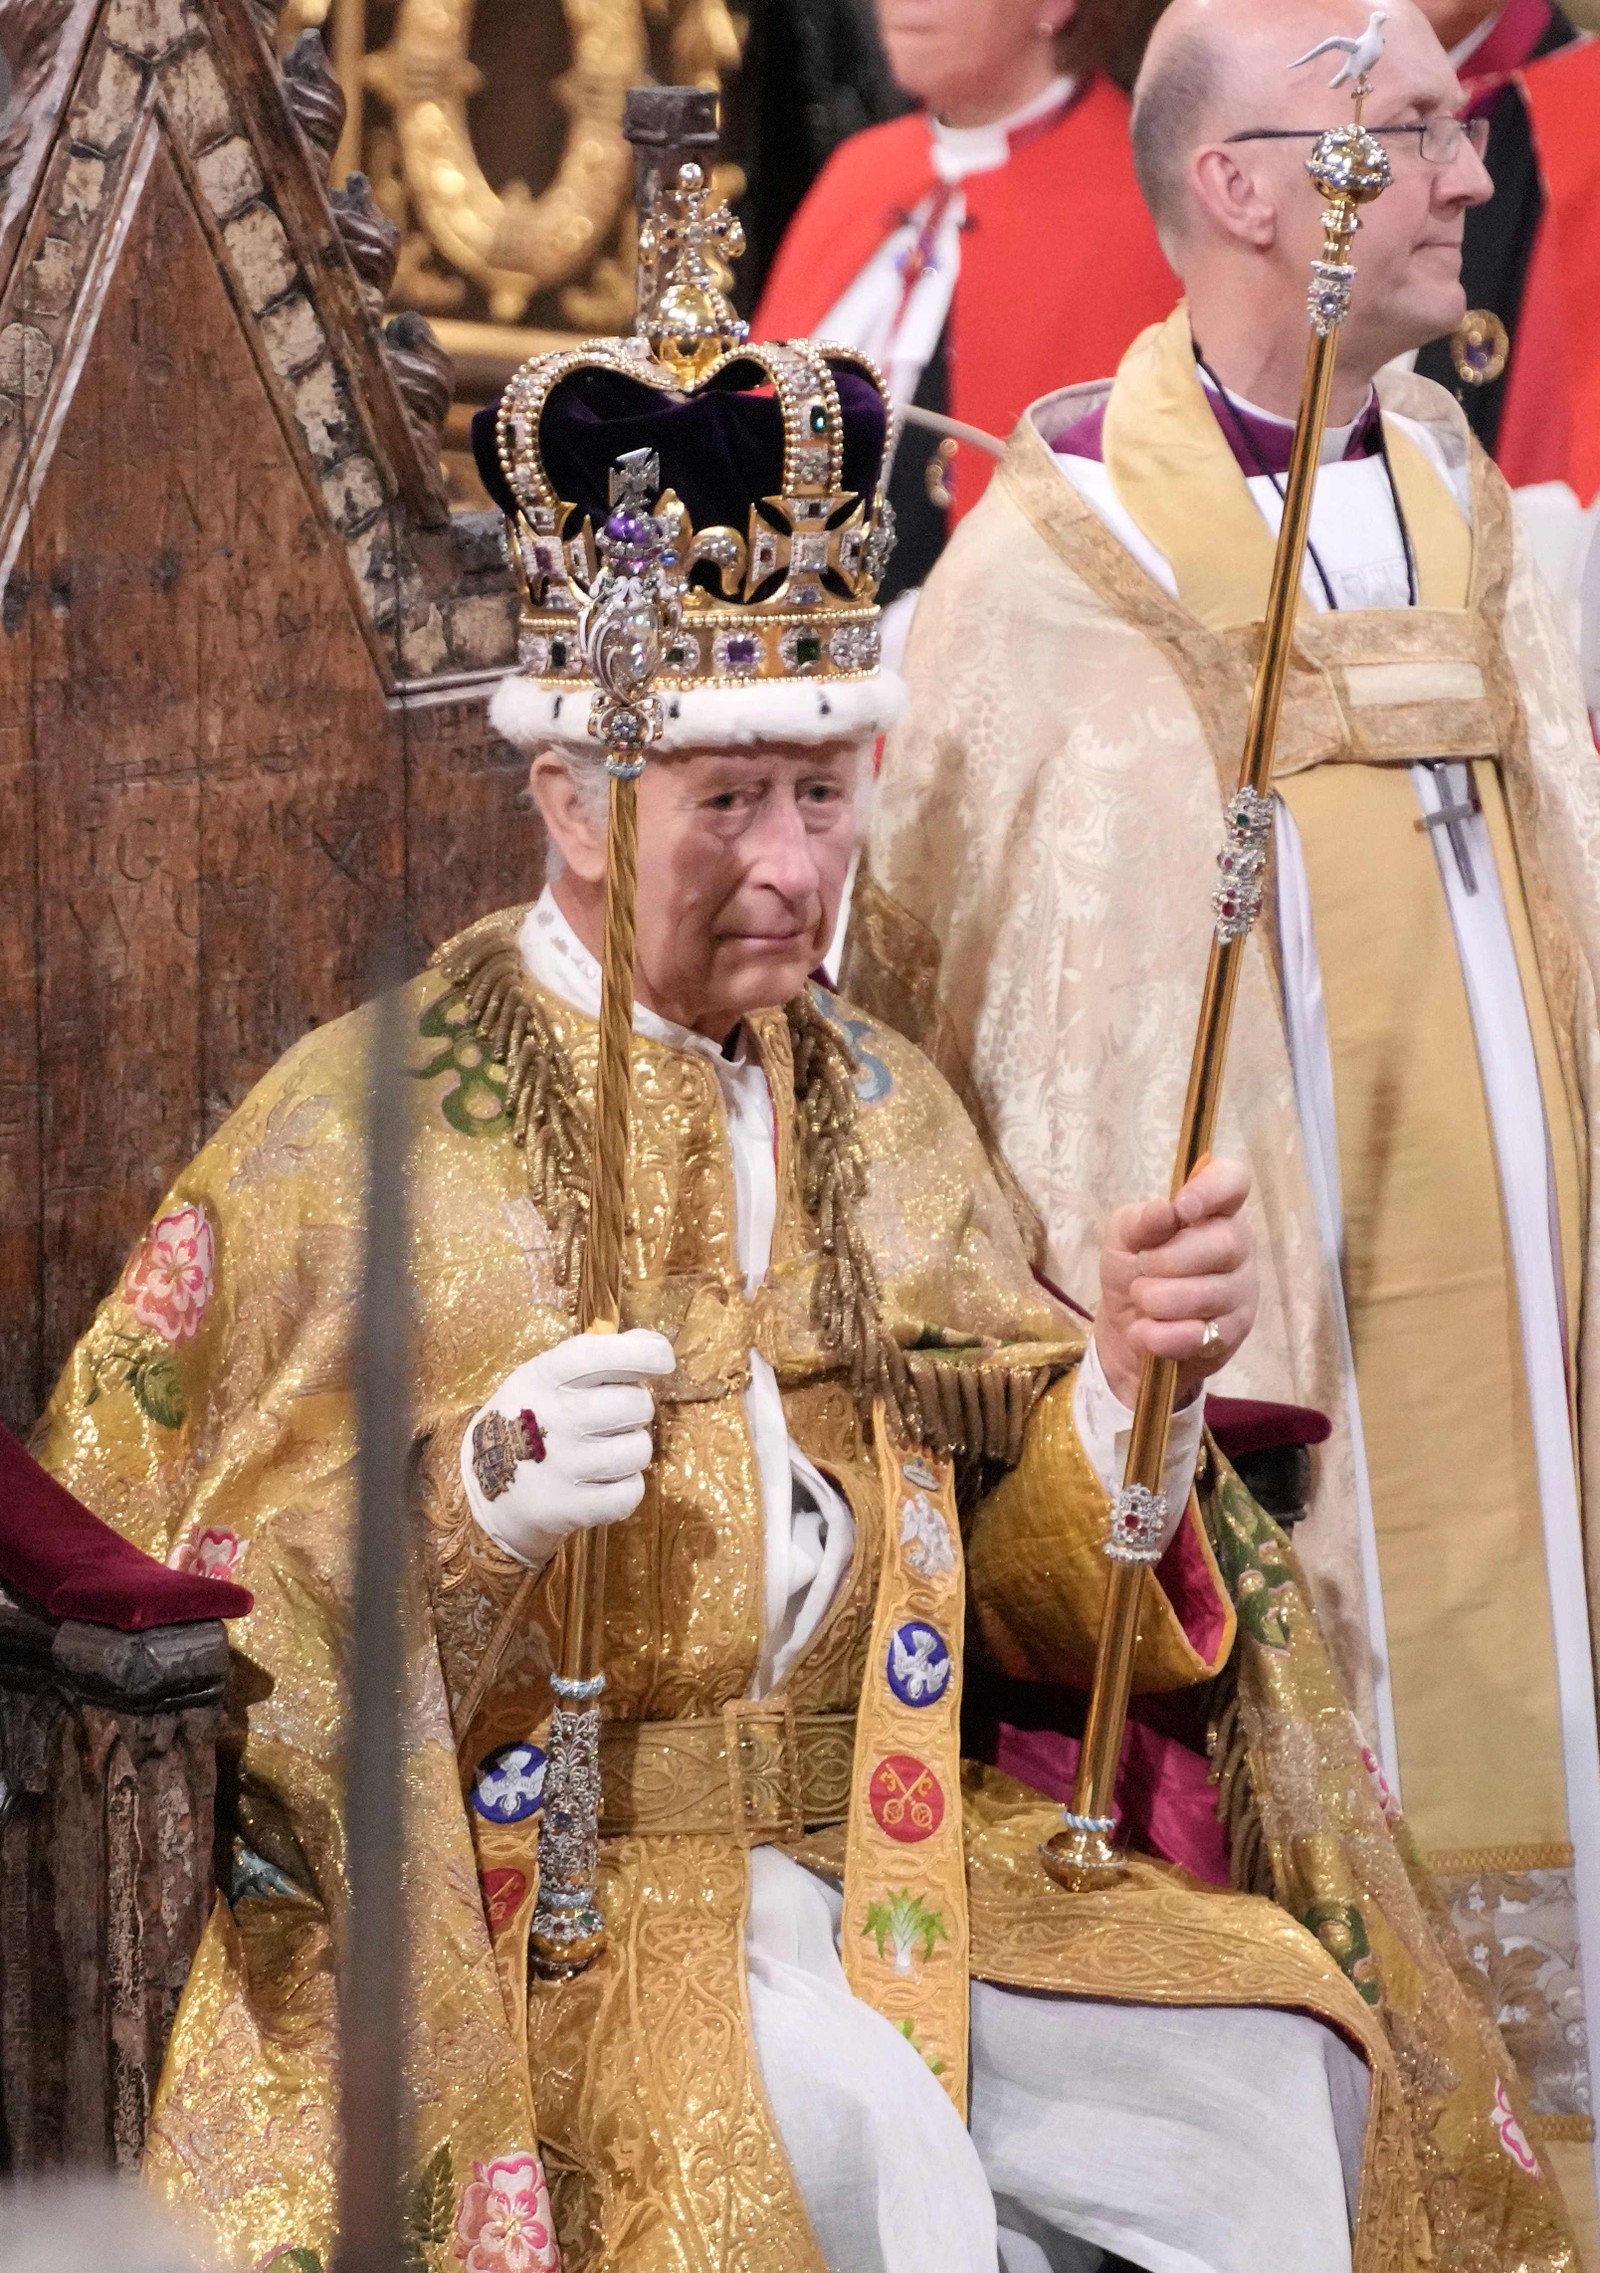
(1408, 253)
(742, 866)
(939, 49)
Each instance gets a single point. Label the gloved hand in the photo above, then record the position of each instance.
(580, 1459)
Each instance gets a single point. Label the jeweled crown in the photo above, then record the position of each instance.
(770, 460)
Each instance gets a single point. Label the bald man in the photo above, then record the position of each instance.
(1416, 1071)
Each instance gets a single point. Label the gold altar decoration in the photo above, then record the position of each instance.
(504, 272)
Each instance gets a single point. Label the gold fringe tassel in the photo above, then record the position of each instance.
(974, 1406)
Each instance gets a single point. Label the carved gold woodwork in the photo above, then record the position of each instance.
(463, 238)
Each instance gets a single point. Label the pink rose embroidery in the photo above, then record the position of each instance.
(168, 1283)
(1512, 2136)
(1386, 1798)
(209, 1554)
(503, 2224)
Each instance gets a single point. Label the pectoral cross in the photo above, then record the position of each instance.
(1458, 804)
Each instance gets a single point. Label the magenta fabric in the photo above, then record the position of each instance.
(1259, 445)
(1250, 1424)
(1508, 47)
(69, 1563)
(1166, 1802)
(1189, 1583)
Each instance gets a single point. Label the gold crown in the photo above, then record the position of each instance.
(788, 596)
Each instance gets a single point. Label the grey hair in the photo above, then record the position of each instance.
(1173, 94)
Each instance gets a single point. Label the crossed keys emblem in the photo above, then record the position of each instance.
(906, 1798)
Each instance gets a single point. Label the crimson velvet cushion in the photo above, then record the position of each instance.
(64, 1559)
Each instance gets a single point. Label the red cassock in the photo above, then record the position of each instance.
(1550, 428)
(1060, 268)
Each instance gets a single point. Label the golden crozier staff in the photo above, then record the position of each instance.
(1349, 167)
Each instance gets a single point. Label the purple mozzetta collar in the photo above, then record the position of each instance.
(1260, 444)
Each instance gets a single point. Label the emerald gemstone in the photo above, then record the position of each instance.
(808, 648)
(819, 419)
(558, 654)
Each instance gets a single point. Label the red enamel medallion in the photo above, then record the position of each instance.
(906, 1798)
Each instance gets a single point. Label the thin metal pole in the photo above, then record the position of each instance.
(1082, 1854)
(373, 2018)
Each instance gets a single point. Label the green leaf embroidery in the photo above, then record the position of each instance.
(157, 1386)
(477, 1104)
(429, 2219)
(294, 2261)
(904, 1924)
(934, 2067)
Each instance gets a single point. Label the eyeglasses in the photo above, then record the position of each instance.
(1438, 139)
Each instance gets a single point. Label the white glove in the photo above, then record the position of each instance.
(593, 1415)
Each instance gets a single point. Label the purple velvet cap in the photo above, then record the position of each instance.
(721, 448)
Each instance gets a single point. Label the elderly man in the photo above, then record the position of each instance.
(843, 2018)
(1415, 1061)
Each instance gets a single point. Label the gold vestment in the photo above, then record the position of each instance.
(923, 1371)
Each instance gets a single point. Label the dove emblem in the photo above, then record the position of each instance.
(919, 1664)
(1360, 55)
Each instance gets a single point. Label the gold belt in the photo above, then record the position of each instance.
(758, 1772)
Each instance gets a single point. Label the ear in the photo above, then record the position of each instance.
(1224, 192)
(570, 818)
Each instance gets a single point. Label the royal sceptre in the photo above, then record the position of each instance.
(1350, 168)
(632, 611)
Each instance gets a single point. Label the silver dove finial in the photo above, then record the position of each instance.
(1360, 55)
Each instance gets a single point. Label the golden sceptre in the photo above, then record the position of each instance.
(632, 612)
(1350, 168)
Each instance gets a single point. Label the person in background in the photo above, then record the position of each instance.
(987, 247)
(1524, 363)
(1410, 1073)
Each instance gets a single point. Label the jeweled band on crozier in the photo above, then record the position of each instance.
(1139, 1519)
(499, 1442)
(1236, 902)
(1091, 1826)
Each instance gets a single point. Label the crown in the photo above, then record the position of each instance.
(746, 478)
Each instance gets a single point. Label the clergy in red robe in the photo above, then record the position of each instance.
(1525, 365)
(983, 250)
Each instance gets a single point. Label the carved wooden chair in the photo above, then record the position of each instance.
(112, 1675)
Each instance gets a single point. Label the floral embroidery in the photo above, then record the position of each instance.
(1511, 2134)
(904, 1925)
(503, 2224)
(168, 1283)
(1380, 1782)
(1252, 1555)
(211, 1553)
(1342, 1931)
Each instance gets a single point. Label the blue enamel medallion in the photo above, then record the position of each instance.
(919, 1665)
(509, 1784)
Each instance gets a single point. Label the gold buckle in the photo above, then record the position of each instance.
(763, 1755)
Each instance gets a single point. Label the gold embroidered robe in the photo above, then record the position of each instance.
(209, 1412)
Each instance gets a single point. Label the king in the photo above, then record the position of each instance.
(827, 2008)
